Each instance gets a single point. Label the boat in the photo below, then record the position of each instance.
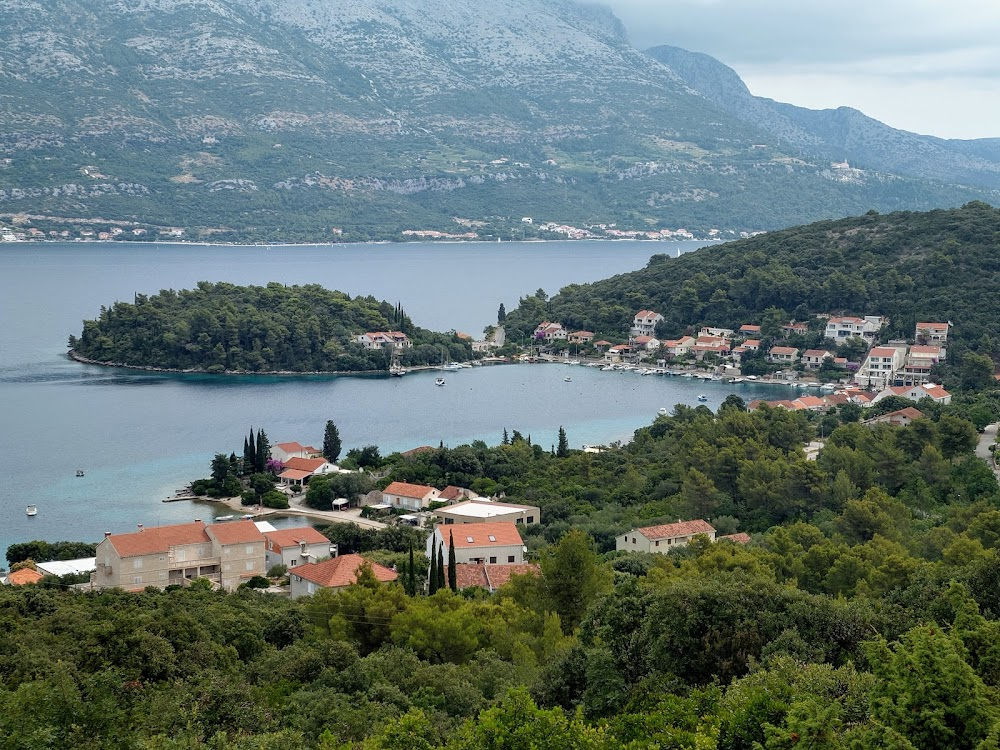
(736, 380)
(224, 518)
(568, 379)
(395, 371)
(439, 381)
(79, 472)
(830, 387)
(662, 411)
(31, 510)
(688, 375)
(703, 398)
(451, 367)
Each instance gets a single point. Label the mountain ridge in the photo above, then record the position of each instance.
(259, 120)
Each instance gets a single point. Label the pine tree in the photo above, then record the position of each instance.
(432, 579)
(563, 450)
(263, 451)
(452, 563)
(506, 438)
(331, 442)
(441, 583)
(411, 575)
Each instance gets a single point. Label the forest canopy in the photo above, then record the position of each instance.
(274, 328)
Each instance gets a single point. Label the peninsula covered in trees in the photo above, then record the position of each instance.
(257, 329)
(938, 265)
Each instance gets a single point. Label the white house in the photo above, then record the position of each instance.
(843, 328)
(284, 451)
(880, 367)
(483, 511)
(719, 333)
(646, 343)
(665, 537)
(813, 359)
(644, 323)
(915, 393)
(919, 361)
(409, 496)
(581, 337)
(383, 339)
(294, 547)
(335, 574)
(494, 543)
(551, 331)
(932, 333)
(679, 347)
(783, 355)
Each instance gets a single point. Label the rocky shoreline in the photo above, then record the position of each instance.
(75, 356)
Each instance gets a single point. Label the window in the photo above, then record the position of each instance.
(493, 561)
(657, 542)
(531, 519)
(294, 563)
(162, 558)
(137, 579)
(470, 540)
(249, 549)
(249, 564)
(510, 558)
(518, 520)
(137, 563)
(492, 538)
(163, 575)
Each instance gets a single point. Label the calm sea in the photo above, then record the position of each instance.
(140, 436)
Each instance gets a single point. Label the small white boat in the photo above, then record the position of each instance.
(224, 518)
(439, 381)
(451, 367)
(79, 472)
(703, 398)
(737, 380)
(751, 377)
(830, 387)
(31, 510)
(716, 377)
(688, 375)
(568, 379)
(662, 411)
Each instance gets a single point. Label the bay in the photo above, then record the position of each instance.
(139, 436)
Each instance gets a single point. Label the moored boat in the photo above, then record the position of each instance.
(31, 510)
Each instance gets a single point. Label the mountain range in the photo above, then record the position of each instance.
(268, 120)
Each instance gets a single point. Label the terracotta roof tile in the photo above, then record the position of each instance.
(292, 447)
(469, 575)
(293, 537)
(341, 571)
(305, 464)
(158, 539)
(235, 532)
(451, 492)
(405, 489)
(294, 475)
(681, 528)
(740, 538)
(503, 534)
(499, 575)
(24, 577)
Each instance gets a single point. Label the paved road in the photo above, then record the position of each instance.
(988, 438)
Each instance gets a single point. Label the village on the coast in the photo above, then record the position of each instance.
(855, 364)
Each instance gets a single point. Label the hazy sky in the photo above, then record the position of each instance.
(930, 66)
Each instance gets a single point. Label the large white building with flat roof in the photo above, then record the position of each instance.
(483, 511)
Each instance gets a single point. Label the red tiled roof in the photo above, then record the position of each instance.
(751, 342)
(603, 343)
(750, 328)
(493, 534)
(646, 314)
(582, 333)
(847, 319)
(815, 353)
(294, 474)
(882, 351)
(643, 339)
(404, 489)
(931, 350)
(451, 492)
(672, 530)
(910, 412)
(936, 391)
(788, 350)
(740, 538)
(24, 577)
(158, 539)
(235, 532)
(305, 464)
(468, 575)
(341, 571)
(934, 326)
(417, 451)
(293, 537)
(290, 447)
(499, 575)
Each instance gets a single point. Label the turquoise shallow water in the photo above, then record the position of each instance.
(140, 436)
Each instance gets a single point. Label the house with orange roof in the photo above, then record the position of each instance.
(491, 577)
(297, 471)
(644, 323)
(880, 367)
(792, 329)
(492, 543)
(898, 418)
(294, 547)
(919, 362)
(664, 537)
(740, 538)
(679, 347)
(813, 359)
(618, 353)
(226, 554)
(581, 337)
(935, 334)
(335, 574)
(749, 330)
(914, 393)
(716, 333)
(842, 328)
(646, 343)
(284, 451)
(546, 331)
(375, 340)
(23, 577)
(783, 355)
(409, 496)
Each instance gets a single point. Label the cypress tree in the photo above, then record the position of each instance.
(506, 438)
(263, 451)
(251, 455)
(452, 563)
(432, 579)
(331, 442)
(411, 575)
(246, 454)
(501, 314)
(563, 450)
(441, 582)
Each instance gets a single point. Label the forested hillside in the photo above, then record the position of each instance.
(863, 614)
(940, 265)
(223, 327)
